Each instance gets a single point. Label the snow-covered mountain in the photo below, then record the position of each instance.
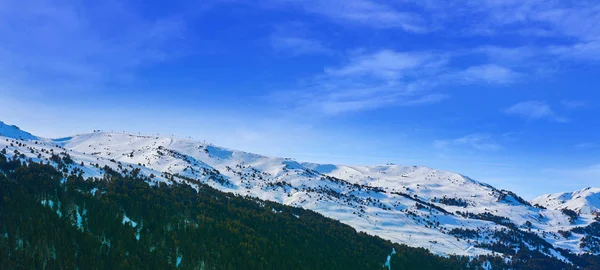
(585, 201)
(15, 132)
(445, 212)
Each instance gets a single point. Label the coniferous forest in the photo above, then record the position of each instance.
(52, 218)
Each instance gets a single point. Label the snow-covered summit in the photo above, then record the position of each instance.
(585, 201)
(15, 132)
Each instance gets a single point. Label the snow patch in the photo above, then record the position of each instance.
(48, 203)
(126, 220)
(389, 258)
(79, 219)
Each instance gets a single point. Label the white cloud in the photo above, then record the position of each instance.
(364, 12)
(373, 80)
(383, 78)
(341, 106)
(298, 45)
(572, 26)
(478, 141)
(488, 73)
(535, 110)
(507, 55)
(541, 18)
(582, 51)
(385, 64)
(427, 99)
(297, 38)
(531, 17)
(531, 109)
(564, 34)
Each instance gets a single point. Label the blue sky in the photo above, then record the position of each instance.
(505, 92)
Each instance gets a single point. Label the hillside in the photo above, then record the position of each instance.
(585, 201)
(444, 212)
(48, 221)
(15, 132)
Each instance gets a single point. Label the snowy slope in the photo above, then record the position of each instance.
(445, 212)
(15, 132)
(585, 201)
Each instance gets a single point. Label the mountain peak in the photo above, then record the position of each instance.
(584, 201)
(15, 132)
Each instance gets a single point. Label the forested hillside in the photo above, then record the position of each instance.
(151, 202)
(50, 220)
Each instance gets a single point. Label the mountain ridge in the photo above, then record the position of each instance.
(585, 200)
(445, 212)
(13, 131)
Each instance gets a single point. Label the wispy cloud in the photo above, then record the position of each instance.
(296, 39)
(489, 73)
(383, 78)
(375, 77)
(72, 45)
(297, 45)
(341, 106)
(386, 64)
(584, 176)
(535, 110)
(363, 12)
(582, 51)
(573, 104)
(427, 99)
(369, 80)
(540, 18)
(531, 17)
(586, 145)
(478, 141)
(570, 30)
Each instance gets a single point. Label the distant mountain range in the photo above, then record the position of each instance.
(444, 212)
